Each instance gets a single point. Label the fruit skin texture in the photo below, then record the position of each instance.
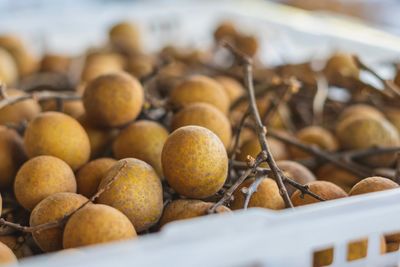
(182, 209)
(267, 196)
(361, 110)
(372, 184)
(338, 176)
(51, 209)
(340, 67)
(253, 148)
(113, 100)
(89, 176)
(8, 68)
(21, 111)
(143, 140)
(136, 192)
(207, 116)
(12, 155)
(41, 177)
(232, 87)
(59, 135)
(125, 36)
(358, 132)
(95, 224)
(295, 171)
(200, 89)
(326, 190)
(6, 255)
(194, 162)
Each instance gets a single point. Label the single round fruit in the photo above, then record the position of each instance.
(361, 110)
(41, 177)
(372, 184)
(317, 136)
(341, 66)
(247, 44)
(358, 132)
(22, 111)
(326, 190)
(267, 196)
(253, 148)
(59, 135)
(136, 192)
(100, 64)
(8, 68)
(207, 116)
(96, 224)
(200, 89)
(51, 209)
(295, 171)
(232, 87)
(73, 108)
(342, 178)
(125, 36)
(55, 63)
(182, 209)
(12, 155)
(6, 255)
(143, 140)
(225, 31)
(89, 175)
(194, 162)
(113, 100)
(141, 65)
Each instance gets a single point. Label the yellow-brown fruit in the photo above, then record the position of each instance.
(232, 87)
(8, 68)
(22, 111)
(140, 65)
(361, 110)
(339, 67)
(267, 196)
(136, 192)
(358, 132)
(125, 36)
(355, 250)
(207, 116)
(101, 64)
(225, 31)
(295, 171)
(317, 136)
(247, 44)
(58, 135)
(113, 100)
(372, 184)
(252, 148)
(96, 224)
(342, 178)
(89, 175)
(99, 138)
(392, 246)
(326, 190)
(51, 209)
(182, 209)
(200, 89)
(55, 63)
(12, 155)
(41, 177)
(19, 250)
(393, 115)
(73, 108)
(194, 162)
(143, 140)
(7, 256)
(26, 63)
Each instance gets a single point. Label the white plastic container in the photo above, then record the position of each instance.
(256, 237)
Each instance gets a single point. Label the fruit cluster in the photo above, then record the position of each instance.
(140, 140)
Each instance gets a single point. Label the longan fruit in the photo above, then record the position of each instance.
(361, 110)
(372, 184)
(143, 140)
(51, 209)
(340, 67)
(21, 111)
(200, 88)
(96, 224)
(225, 31)
(56, 134)
(73, 108)
(314, 135)
(392, 246)
(253, 148)
(125, 36)
(267, 196)
(7, 256)
(393, 115)
(342, 178)
(358, 132)
(19, 250)
(326, 190)
(113, 100)
(41, 177)
(232, 87)
(295, 171)
(8, 68)
(207, 116)
(136, 192)
(195, 162)
(140, 65)
(89, 175)
(182, 209)
(101, 64)
(247, 44)
(12, 155)
(55, 63)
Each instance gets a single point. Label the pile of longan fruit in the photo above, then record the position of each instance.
(151, 137)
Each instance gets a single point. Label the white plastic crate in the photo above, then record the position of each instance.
(256, 237)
